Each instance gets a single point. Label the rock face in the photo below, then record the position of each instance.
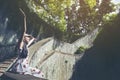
(54, 64)
(57, 59)
(7, 41)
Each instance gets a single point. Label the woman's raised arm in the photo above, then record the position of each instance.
(24, 30)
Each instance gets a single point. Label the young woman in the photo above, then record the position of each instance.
(21, 66)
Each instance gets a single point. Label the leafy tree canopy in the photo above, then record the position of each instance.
(75, 17)
(52, 11)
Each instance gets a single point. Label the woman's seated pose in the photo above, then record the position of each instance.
(21, 66)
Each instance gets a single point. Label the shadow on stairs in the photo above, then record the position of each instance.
(14, 76)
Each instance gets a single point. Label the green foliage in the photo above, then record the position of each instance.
(80, 50)
(73, 17)
(87, 15)
(91, 3)
(109, 17)
(52, 11)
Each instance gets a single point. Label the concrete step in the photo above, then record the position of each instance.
(5, 65)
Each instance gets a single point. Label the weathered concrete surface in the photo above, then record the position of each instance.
(55, 65)
(55, 58)
(38, 50)
(58, 66)
(85, 42)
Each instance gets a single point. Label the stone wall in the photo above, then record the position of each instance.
(56, 58)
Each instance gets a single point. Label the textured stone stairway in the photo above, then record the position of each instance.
(5, 65)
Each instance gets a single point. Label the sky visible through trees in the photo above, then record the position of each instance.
(116, 1)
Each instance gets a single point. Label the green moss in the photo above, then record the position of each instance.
(81, 50)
